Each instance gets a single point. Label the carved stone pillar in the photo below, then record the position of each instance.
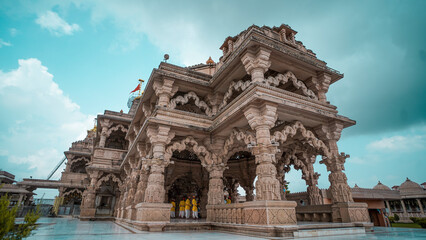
(159, 137)
(282, 169)
(311, 178)
(132, 186)
(105, 125)
(153, 209)
(339, 188)
(164, 90)
(344, 209)
(215, 194)
(88, 208)
(261, 119)
(143, 182)
(249, 193)
(155, 191)
(256, 63)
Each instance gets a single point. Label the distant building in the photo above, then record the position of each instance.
(17, 194)
(407, 200)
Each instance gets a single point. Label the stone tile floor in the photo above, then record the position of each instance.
(67, 228)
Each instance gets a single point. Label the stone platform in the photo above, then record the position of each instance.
(302, 229)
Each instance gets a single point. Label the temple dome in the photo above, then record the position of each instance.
(381, 186)
(410, 186)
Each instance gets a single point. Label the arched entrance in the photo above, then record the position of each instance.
(107, 194)
(186, 178)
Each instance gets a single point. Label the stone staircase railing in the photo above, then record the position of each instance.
(226, 213)
(314, 213)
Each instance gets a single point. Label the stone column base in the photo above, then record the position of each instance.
(87, 213)
(350, 212)
(270, 212)
(130, 213)
(153, 212)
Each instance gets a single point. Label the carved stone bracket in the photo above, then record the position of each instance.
(256, 63)
(164, 90)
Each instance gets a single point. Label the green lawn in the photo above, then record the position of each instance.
(406, 225)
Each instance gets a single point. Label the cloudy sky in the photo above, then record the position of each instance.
(64, 62)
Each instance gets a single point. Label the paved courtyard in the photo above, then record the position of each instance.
(67, 228)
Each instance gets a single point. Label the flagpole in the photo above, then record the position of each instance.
(140, 86)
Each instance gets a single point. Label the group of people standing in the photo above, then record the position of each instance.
(185, 208)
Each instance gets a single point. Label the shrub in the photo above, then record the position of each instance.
(415, 219)
(8, 228)
(396, 217)
(392, 219)
(422, 222)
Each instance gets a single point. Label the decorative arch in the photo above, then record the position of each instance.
(297, 127)
(185, 99)
(234, 150)
(79, 159)
(75, 190)
(284, 78)
(237, 134)
(189, 143)
(234, 86)
(109, 177)
(116, 128)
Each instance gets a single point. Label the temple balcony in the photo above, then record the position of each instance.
(107, 157)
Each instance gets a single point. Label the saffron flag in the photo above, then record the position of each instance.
(136, 89)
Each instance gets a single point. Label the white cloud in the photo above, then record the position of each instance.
(39, 121)
(56, 25)
(13, 31)
(4, 43)
(399, 143)
(41, 162)
(175, 29)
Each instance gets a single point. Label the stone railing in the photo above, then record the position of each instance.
(226, 213)
(254, 213)
(314, 213)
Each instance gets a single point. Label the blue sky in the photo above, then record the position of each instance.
(64, 62)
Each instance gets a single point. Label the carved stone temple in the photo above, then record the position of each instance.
(210, 128)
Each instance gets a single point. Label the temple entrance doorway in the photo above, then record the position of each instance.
(187, 178)
(106, 197)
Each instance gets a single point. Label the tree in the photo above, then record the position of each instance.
(10, 230)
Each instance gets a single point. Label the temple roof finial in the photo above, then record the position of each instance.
(210, 61)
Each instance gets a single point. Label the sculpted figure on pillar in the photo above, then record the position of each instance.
(164, 90)
(340, 190)
(261, 119)
(159, 136)
(256, 63)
